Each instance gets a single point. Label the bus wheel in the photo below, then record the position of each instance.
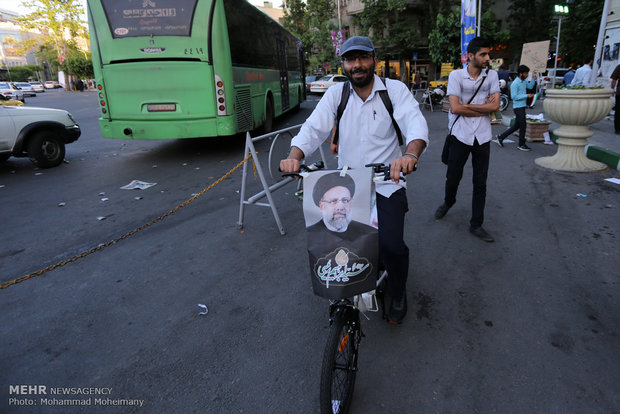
(268, 125)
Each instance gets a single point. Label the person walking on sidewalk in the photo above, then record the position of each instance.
(615, 85)
(471, 126)
(519, 95)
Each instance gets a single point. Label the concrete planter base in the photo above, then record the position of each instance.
(574, 109)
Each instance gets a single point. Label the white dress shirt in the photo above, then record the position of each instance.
(366, 133)
(462, 85)
(582, 76)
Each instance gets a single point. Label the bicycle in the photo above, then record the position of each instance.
(339, 365)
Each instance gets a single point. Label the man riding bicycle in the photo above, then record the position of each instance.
(366, 134)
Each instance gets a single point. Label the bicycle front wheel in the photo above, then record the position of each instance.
(340, 364)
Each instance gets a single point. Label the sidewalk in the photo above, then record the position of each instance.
(603, 146)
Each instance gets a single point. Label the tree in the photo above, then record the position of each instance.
(295, 17)
(580, 30)
(445, 39)
(53, 19)
(79, 65)
(392, 30)
(319, 33)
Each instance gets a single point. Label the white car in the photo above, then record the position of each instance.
(547, 77)
(26, 88)
(51, 85)
(38, 87)
(324, 83)
(10, 91)
(37, 133)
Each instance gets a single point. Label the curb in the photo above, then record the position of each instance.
(607, 157)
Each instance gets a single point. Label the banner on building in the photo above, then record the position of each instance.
(338, 38)
(468, 26)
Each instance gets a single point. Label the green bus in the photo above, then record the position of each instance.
(168, 69)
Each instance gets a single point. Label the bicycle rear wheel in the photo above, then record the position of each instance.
(340, 362)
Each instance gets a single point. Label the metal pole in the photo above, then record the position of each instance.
(479, 17)
(557, 52)
(339, 25)
(599, 45)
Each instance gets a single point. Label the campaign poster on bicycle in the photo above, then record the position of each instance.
(341, 226)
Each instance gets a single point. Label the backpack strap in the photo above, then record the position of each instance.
(385, 97)
(344, 100)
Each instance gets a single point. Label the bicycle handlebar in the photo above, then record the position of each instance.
(378, 168)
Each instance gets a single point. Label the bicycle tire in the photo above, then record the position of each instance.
(340, 363)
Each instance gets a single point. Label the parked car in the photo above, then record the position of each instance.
(37, 133)
(309, 80)
(38, 87)
(547, 77)
(321, 85)
(51, 85)
(9, 90)
(26, 88)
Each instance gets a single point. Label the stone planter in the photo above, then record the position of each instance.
(574, 110)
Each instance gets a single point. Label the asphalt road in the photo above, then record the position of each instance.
(526, 324)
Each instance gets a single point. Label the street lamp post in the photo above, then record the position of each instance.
(560, 11)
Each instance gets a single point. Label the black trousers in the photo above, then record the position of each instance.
(520, 124)
(459, 153)
(617, 115)
(393, 252)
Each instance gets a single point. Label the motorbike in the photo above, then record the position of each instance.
(434, 96)
(504, 95)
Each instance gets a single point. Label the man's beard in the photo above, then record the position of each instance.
(338, 224)
(370, 73)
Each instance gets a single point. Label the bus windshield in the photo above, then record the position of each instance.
(131, 18)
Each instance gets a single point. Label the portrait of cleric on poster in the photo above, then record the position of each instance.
(342, 241)
(339, 203)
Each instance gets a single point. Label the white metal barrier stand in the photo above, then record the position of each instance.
(275, 154)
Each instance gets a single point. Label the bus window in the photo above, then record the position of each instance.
(131, 18)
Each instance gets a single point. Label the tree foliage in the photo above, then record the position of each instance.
(580, 30)
(310, 21)
(390, 27)
(445, 39)
(59, 23)
(79, 65)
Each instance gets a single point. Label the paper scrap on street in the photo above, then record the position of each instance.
(581, 195)
(136, 184)
(537, 117)
(613, 180)
(62, 204)
(205, 309)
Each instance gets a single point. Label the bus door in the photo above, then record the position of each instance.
(280, 45)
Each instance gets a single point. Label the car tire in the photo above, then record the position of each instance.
(4, 157)
(46, 150)
(23, 99)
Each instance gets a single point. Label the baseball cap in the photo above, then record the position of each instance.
(357, 43)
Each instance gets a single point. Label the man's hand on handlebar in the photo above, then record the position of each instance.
(404, 164)
(292, 163)
(289, 165)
